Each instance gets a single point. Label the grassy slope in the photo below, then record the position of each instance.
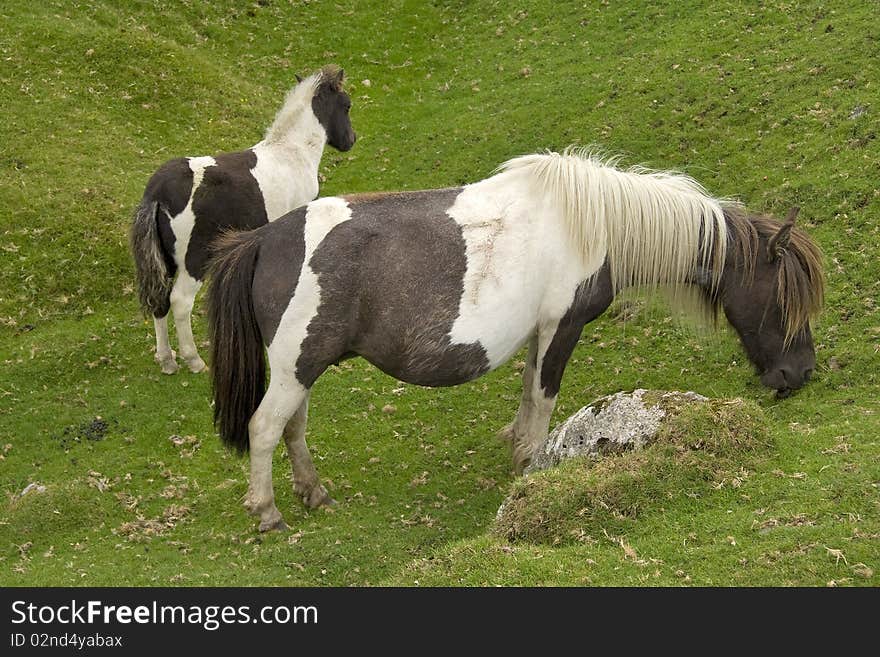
(757, 103)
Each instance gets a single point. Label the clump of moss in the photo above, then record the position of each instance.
(698, 443)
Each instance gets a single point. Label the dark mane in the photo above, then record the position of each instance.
(800, 278)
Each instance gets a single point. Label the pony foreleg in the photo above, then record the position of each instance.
(532, 431)
(306, 482)
(535, 408)
(265, 429)
(509, 433)
(183, 295)
(552, 348)
(165, 356)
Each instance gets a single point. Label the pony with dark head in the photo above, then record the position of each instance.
(439, 287)
(189, 201)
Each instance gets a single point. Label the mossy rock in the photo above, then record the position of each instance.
(695, 445)
(611, 425)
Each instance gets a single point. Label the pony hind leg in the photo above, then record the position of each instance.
(278, 407)
(165, 355)
(183, 295)
(306, 482)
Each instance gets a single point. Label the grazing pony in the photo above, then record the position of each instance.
(189, 201)
(441, 286)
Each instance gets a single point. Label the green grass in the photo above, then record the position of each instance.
(774, 104)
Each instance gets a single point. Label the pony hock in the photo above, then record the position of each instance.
(189, 201)
(441, 286)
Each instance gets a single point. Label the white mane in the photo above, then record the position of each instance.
(655, 227)
(297, 101)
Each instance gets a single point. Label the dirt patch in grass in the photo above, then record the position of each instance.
(581, 499)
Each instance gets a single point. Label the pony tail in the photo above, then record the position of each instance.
(238, 362)
(154, 279)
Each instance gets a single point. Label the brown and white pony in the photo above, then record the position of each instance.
(441, 286)
(189, 201)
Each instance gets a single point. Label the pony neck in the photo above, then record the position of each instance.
(304, 141)
(296, 130)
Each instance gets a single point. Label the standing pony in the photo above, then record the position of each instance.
(439, 287)
(189, 201)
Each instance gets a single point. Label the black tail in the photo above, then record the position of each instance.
(238, 365)
(154, 278)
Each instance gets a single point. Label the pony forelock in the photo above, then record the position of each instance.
(654, 228)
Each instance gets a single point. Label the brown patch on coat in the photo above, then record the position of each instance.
(228, 198)
(391, 281)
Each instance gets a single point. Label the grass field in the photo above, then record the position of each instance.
(773, 103)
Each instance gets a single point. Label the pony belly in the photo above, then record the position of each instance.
(424, 356)
(435, 366)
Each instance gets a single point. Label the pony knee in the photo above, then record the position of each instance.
(262, 439)
(181, 305)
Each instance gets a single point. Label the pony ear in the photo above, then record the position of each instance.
(776, 244)
(298, 79)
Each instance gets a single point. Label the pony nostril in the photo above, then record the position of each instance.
(792, 380)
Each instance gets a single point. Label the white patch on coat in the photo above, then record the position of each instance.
(288, 177)
(182, 224)
(520, 266)
(321, 217)
(289, 156)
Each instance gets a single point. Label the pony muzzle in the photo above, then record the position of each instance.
(785, 379)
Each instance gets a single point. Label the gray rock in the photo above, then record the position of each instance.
(609, 425)
(32, 488)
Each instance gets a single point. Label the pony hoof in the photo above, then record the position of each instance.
(169, 367)
(273, 525)
(168, 362)
(506, 434)
(196, 366)
(318, 497)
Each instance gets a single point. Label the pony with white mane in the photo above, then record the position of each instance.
(189, 201)
(441, 286)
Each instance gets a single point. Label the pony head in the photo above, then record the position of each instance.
(771, 289)
(331, 105)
